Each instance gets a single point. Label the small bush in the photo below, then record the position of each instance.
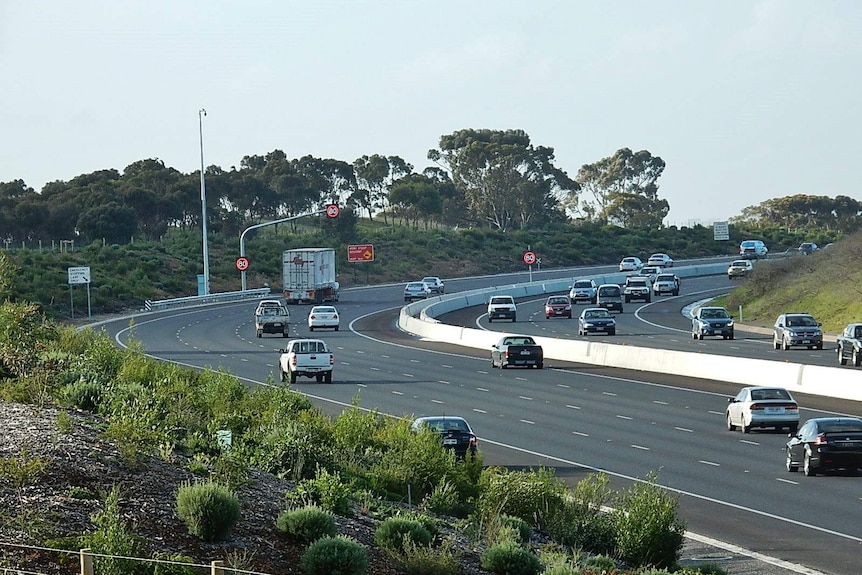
(76, 492)
(395, 532)
(334, 556)
(520, 527)
(426, 560)
(600, 563)
(509, 558)
(306, 524)
(326, 490)
(83, 395)
(563, 569)
(209, 510)
(174, 565)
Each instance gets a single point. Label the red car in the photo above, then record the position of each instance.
(558, 306)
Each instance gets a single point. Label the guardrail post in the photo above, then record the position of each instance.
(216, 568)
(86, 562)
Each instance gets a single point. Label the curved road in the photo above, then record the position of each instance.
(572, 417)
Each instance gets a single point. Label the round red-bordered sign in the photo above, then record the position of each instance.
(332, 211)
(242, 264)
(529, 258)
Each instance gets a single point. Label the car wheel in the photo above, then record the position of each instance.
(281, 375)
(730, 336)
(259, 333)
(675, 292)
(793, 428)
(819, 345)
(648, 300)
(492, 321)
(612, 332)
(789, 463)
(730, 425)
(336, 328)
(628, 300)
(857, 359)
(786, 344)
(841, 359)
(513, 319)
(318, 378)
(693, 335)
(310, 328)
(540, 365)
(775, 343)
(285, 334)
(292, 377)
(806, 465)
(327, 377)
(744, 428)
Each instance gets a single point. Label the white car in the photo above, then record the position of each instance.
(739, 268)
(416, 290)
(762, 407)
(660, 261)
(435, 284)
(631, 264)
(323, 316)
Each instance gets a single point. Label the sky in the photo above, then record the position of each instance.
(744, 100)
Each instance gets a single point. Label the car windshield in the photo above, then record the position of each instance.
(714, 314)
(582, 284)
(596, 314)
(801, 321)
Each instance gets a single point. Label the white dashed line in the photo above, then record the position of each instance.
(573, 407)
(624, 417)
(528, 422)
(684, 429)
(641, 447)
(714, 464)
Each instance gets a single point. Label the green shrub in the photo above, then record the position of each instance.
(83, 395)
(417, 559)
(705, 569)
(114, 539)
(445, 499)
(600, 563)
(326, 490)
(209, 510)
(580, 521)
(509, 558)
(174, 565)
(334, 556)
(306, 524)
(534, 496)
(76, 492)
(648, 530)
(395, 532)
(563, 569)
(521, 528)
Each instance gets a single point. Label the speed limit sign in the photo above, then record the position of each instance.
(529, 258)
(332, 211)
(242, 264)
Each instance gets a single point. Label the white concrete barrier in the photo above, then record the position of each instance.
(838, 382)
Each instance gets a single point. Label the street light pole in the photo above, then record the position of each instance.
(201, 114)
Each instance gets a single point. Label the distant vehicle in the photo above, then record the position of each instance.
(502, 307)
(739, 268)
(517, 351)
(807, 248)
(323, 316)
(558, 306)
(416, 290)
(271, 317)
(631, 264)
(610, 296)
(660, 261)
(583, 290)
(753, 250)
(435, 284)
(455, 433)
(826, 443)
(762, 407)
(850, 345)
(637, 287)
(308, 275)
(307, 358)
(797, 330)
(711, 321)
(595, 320)
(665, 283)
(649, 272)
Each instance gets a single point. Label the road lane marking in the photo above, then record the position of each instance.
(580, 433)
(479, 410)
(436, 401)
(660, 402)
(528, 421)
(684, 429)
(641, 447)
(790, 481)
(572, 406)
(525, 397)
(749, 442)
(397, 392)
(714, 464)
(609, 393)
(481, 389)
(624, 417)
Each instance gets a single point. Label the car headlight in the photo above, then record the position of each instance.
(730, 323)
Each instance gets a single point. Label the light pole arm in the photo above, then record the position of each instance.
(273, 222)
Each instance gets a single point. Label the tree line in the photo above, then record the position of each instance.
(496, 179)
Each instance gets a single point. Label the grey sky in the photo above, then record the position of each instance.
(744, 100)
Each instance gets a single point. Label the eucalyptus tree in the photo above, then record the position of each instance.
(802, 212)
(145, 186)
(624, 188)
(506, 181)
(416, 197)
(375, 175)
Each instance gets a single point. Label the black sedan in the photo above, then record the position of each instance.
(596, 319)
(455, 433)
(826, 443)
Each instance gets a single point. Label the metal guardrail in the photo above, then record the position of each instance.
(206, 299)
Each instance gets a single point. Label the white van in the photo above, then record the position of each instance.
(752, 250)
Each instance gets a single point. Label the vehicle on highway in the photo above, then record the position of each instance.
(665, 283)
(631, 264)
(583, 290)
(517, 351)
(455, 433)
(637, 288)
(558, 306)
(850, 345)
(660, 261)
(271, 316)
(323, 316)
(762, 407)
(306, 358)
(711, 320)
(435, 284)
(610, 296)
(502, 307)
(826, 443)
(416, 290)
(807, 248)
(596, 320)
(649, 272)
(753, 250)
(739, 269)
(797, 330)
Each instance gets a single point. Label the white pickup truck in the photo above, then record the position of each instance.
(308, 358)
(271, 317)
(501, 307)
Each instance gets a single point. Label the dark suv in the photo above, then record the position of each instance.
(797, 329)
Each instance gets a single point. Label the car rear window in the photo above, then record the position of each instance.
(582, 284)
(840, 426)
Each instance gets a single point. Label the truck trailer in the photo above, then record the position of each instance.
(309, 275)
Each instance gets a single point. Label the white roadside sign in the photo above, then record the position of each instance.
(80, 275)
(720, 231)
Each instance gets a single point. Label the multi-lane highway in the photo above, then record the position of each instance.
(573, 417)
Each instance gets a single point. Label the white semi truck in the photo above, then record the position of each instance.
(309, 275)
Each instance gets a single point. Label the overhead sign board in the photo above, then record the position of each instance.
(360, 253)
(720, 231)
(79, 275)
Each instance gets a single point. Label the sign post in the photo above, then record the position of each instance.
(529, 258)
(79, 275)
